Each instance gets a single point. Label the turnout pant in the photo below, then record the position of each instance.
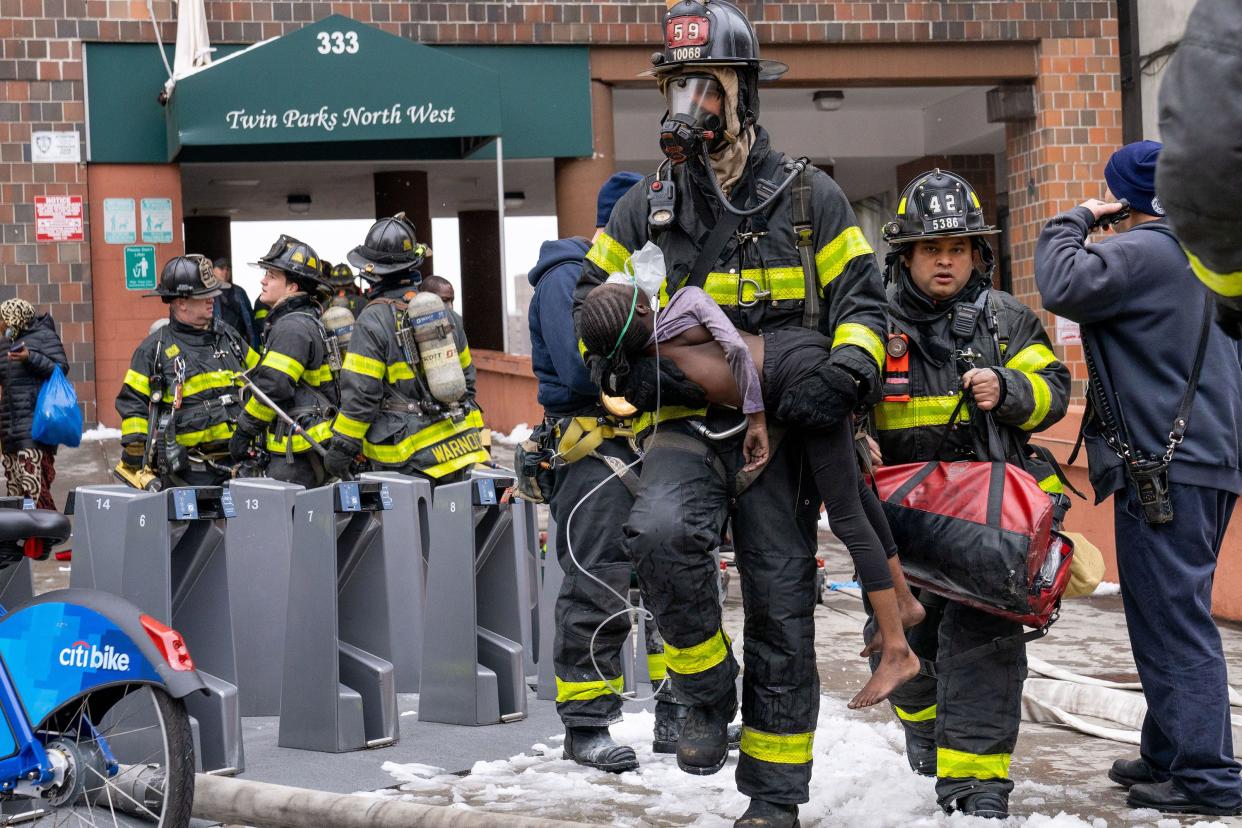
(583, 698)
(1166, 588)
(684, 496)
(972, 710)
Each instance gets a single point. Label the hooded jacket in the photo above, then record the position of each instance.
(20, 382)
(760, 283)
(1035, 384)
(382, 395)
(207, 373)
(565, 387)
(1141, 309)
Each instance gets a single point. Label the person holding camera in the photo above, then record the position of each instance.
(1163, 432)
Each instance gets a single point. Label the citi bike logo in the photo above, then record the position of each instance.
(91, 656)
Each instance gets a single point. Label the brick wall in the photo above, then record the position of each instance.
(41, 88)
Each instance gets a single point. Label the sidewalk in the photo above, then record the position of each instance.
(861, 778)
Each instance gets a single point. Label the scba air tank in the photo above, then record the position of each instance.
(338, 324)
(437, 347)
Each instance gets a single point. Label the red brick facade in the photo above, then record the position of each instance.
(1053, 161)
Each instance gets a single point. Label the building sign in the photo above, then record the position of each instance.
(55, 148)
(140, 267)
(58, 218)
(157, 220)
(119, 221)
(1068, 332)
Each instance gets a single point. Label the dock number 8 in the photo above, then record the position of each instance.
(338, 43)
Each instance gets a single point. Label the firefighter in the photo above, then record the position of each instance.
(797, 257)
(345, 291)
(294, 372)
(950, 332)
(389, 414)
(181, 394)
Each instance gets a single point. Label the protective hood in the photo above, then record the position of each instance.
(557, 252)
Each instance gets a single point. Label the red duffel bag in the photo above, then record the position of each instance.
(979, 533)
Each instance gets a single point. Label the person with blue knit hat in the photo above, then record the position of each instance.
(1164, 438)
(587, 697)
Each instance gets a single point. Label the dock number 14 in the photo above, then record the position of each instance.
(338, 43)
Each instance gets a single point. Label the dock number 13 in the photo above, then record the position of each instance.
(338, 43)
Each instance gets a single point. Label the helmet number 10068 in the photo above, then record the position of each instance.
(338, 43)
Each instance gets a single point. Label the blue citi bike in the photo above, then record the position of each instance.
(95, 731)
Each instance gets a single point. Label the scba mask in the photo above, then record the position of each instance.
(695, 114)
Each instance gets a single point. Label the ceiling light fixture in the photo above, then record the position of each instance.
(828, 100)
(514, 199)
(299, 203)
(235, 182)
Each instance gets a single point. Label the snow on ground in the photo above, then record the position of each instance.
(1106, 588)
(861, 780)
(520, 432)
(101, 433)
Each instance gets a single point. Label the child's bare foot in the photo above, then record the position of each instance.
(896, 668)
(911, 609)
(875, 645)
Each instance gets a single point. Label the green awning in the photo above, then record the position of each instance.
(336, 81)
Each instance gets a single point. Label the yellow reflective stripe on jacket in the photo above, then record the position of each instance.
(397, 453)
(608, 254)
(918, 412)
(1043, 401)
(783, 283)
(778, 748)
(205, 382)
(657, 666)
(215, 434)
(1226, 284)
(697, 659)
(1052, 484)
(138, 382)
(1032, 358)
(567, 691)
(852, 333)
(318, 376)
(399, 371)
(463, 356)
(134, 425)
(648, 419)
(835, 256)
(961, 765)
(261, 313)
(252, 358)
(259, 411)
(350, 427)
(320, 431)
(284, 364)
(363, 365)
(924, 715)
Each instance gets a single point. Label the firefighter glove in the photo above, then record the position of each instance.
(132, 454)
(652, 382)
(239, 446)
(821, 399)
(340, 458)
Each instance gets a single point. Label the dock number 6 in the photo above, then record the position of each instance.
(338, 43)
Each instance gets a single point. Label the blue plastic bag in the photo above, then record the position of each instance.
(57, 419)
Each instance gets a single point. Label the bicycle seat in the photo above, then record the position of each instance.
(21, 524)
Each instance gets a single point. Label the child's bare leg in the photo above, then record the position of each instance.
(910, 608)
(898, 663)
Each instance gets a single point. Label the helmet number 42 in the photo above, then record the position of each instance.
(338, 43)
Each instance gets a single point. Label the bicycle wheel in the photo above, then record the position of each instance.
(146, 731)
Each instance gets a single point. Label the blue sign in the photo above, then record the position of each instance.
(185, 504)
(351, 500)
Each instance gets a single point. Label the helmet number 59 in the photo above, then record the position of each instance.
(338, 43)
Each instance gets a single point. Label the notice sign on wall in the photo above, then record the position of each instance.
(58, 218)
(1068, 332)
(157, 220)
(119, 221)
(55, 148)
(140, 267)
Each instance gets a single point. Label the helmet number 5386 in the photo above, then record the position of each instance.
(338, 43)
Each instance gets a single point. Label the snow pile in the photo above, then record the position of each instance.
(520, 432)
(861, 780)
(1106, 588)
(101, 433)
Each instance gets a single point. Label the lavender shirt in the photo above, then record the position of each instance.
(691, 306)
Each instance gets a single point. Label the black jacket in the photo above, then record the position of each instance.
(20, 382)
(1142, 310)
(1035, 383)
(233, 306)
(295, 375)
(379, 385)
(850, 286)
(565, 386)
(210, 391)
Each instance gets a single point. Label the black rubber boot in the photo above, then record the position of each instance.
(1167, 798)
(1130, 772)
(669, 717)
(920, 753)
(985, 804)
(704, 743)
(594, 748)
(764, 814)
